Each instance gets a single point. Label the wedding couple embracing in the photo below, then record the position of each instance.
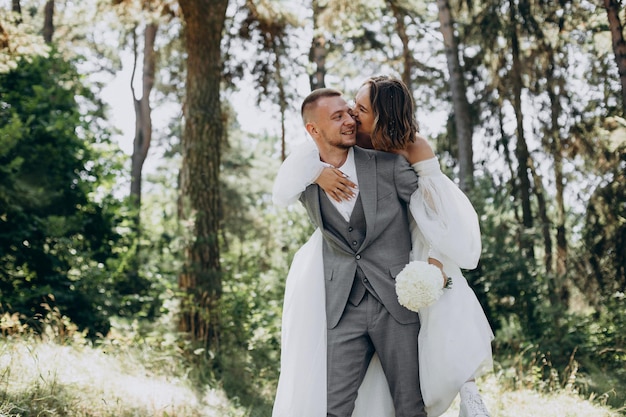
(373, 187)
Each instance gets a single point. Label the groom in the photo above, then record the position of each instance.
(366, 244)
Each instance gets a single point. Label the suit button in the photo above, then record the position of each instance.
(365, 280)
(358, 256)
(350, 229)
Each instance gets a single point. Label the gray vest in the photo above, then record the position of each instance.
(353, 233)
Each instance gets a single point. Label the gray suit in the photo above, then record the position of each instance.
(361, 259)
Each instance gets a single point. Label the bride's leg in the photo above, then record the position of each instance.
(456, 332)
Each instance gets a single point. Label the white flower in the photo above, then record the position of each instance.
(419, 285)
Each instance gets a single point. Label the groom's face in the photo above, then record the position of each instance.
(332, 123)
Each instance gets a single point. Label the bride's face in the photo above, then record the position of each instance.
(363, 112)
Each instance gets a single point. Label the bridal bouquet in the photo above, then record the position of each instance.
(419, 285)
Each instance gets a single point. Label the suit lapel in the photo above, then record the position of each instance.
(365, 163)
(313, 195)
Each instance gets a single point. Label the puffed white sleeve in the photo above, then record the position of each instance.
(299, 170)
(445, 218)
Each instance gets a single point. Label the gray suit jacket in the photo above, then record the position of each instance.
(386, 182)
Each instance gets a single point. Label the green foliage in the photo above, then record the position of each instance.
(57, 229)
(603, 350)
(541, 345)
(252, 292)
(505, 282)
(266, 26)
(257, 244)
(604, 233)
(583, 355)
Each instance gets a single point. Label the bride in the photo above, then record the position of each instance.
(454, 343)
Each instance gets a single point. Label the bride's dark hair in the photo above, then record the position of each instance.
(392, 102)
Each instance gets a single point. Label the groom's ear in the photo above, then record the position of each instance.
(310, 127)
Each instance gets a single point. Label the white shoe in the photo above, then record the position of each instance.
(472, 404)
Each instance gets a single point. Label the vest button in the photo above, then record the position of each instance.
(358, 257)
(350, 229)
(354, 242)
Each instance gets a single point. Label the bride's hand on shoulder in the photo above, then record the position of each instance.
(336, 184)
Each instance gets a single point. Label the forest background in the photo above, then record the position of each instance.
(164, 266)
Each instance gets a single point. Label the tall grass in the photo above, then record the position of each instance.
(502, 401)
(61, 374)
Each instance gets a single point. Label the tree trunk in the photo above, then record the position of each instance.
(556, 149)
(16, 7)
(407, 55)
(200, 280)
(613, 8)
(143, 115)
(561, 239)
(542, 213)
(282, 96)
(462, 117)
(318, 51)
(521, 150)
(48, 22)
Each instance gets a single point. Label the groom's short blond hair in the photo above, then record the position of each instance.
(310, 102)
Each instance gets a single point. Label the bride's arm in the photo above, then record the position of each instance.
(445, 217)
(297, 171)
(415, 152)
(302, 168)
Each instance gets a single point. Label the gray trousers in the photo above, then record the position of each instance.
(363, 330)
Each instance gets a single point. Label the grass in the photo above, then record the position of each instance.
(61, 374)
(43, 378)
(503, 402)
(39, 378)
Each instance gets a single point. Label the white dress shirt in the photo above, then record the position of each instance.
(345, 207)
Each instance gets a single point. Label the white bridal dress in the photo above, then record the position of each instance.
(455, 338)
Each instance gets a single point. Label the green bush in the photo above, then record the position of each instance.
(58, 231)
